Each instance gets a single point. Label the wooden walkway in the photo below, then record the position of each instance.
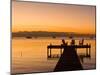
(69, 59)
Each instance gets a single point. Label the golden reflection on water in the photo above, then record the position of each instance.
(30, 55)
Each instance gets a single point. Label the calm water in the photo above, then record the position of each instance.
(30, 55)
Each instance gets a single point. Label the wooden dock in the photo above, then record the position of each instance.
(68, 58)
(61, 47)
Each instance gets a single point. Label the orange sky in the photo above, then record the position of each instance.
(31, 16)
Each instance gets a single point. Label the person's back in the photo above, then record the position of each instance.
(73, 42)
(81, 42)
(63, 41)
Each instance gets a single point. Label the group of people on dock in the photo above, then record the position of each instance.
(73, 42)
(81, 42)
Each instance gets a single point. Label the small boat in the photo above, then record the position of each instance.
(70, 37)
(92, 37)
(29, 37)
(54, 37)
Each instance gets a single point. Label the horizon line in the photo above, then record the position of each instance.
(54, 31)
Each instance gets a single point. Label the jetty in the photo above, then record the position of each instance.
(68, 57)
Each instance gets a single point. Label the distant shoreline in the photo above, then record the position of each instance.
(36, 34)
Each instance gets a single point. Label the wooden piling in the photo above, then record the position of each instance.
(50, 52)
(86, 51)
(90, 51)
(47, 52)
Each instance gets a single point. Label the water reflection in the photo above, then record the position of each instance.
(30, 55)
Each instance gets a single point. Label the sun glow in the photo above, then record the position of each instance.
(28, 16)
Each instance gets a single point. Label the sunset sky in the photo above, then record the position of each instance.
(32, 16)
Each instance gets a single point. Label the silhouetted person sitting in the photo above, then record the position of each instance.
(63, 41)
(81, 42)
(73, 42)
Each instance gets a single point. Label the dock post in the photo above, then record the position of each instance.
(86, 51)
(47, 52)
(90, 51)
(50, 52)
